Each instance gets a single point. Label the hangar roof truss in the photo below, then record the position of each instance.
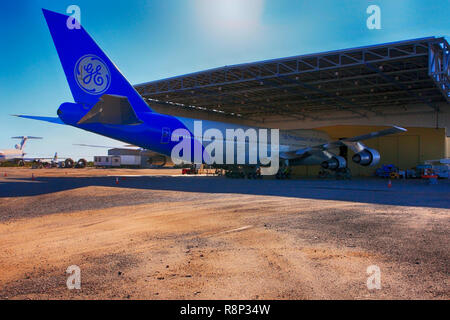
(364, 82)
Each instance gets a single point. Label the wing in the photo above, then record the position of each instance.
(350, 142)
(353, 143)
(127, 146)
(37, 158)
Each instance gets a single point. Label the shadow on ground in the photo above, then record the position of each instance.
(376, 191)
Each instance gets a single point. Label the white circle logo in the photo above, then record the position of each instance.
(92, 74)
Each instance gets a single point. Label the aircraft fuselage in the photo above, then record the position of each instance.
(155, 132)
(11, 155)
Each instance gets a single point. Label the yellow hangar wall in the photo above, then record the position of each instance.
(405, 150)
(447, 152)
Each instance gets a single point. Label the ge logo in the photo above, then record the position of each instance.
(92, 74)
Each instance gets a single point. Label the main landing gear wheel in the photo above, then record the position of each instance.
(325, 174)
(343, 174)
(283, 173)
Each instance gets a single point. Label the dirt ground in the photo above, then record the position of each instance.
(156, 235)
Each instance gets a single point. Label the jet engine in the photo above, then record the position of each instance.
(336, 162)
(367, 157)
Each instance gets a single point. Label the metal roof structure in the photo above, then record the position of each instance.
(363, 82)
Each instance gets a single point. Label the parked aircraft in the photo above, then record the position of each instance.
(107, 104)
(16, 155)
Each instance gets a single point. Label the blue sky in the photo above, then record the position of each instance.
(150, 40)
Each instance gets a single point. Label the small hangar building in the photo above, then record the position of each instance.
(344, 93)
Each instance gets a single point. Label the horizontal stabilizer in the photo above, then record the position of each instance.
(111, 109)
(27, 137)
(46, 119)
(128, 147)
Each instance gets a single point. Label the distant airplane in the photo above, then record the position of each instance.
(107, 104)
(16, 155)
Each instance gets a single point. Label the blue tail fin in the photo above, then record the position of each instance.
(88, 70)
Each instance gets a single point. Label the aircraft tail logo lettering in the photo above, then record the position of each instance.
(92, 74)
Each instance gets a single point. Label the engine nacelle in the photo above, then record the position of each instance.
(336, 162)
(367, 157)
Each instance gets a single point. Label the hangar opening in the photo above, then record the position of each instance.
(344, 93)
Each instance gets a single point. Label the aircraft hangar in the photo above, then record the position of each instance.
(345, 93)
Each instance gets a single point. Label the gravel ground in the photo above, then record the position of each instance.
(156, 235)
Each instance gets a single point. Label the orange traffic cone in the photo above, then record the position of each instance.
(389, 183)
(5, 174)
(32, 177)
(117, 180)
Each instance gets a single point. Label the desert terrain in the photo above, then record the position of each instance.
(153, 234)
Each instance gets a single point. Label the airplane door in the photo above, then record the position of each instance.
(165, 135)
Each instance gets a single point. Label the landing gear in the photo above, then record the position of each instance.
(325, 174)
(20, 163)
(338, 174)
(37, 164)
(254, 173)
(343, 174)
(235, 172)
(241, 172)
(284, 172)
